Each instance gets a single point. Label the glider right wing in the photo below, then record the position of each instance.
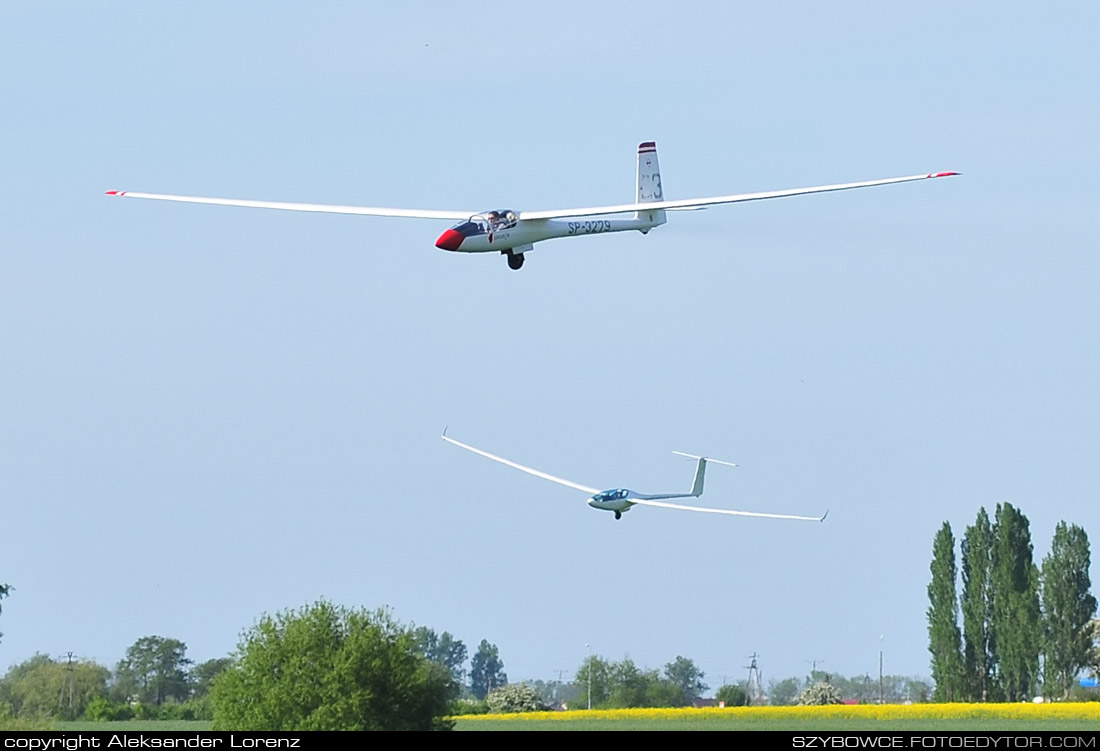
(316, 207)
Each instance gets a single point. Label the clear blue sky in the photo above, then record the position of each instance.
(208, 413)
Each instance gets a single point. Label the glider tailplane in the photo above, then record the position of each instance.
(649, 184)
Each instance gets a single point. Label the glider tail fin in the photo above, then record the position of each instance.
(697, 486)
(649, 187)
(700, 471)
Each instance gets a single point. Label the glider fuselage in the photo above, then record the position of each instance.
(483, 233)
(612, 500)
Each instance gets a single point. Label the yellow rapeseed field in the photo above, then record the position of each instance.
(1056, 711)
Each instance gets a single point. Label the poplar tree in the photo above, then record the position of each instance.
(1068, 607)
(978, 658)
(1014, 596)
(943, 619)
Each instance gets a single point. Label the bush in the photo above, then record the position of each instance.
(462, 707)
(515, 697)
(1083, 693)
(733, 695)
(102, 709)
(325, 667)
(821, 693)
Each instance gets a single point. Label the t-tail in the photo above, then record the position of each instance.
(697, 485)
(649, 184)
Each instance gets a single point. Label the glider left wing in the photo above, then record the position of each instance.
(642, 502)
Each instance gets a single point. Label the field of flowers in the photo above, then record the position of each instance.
(1059, 716)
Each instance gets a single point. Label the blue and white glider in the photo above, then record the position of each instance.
(619, 500)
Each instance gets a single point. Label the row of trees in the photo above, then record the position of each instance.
(325, 659)
(860, 688)
(154, 675)
(486, 667)
(605, 684)
(1023, 628)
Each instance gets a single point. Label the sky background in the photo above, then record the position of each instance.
(209, 413)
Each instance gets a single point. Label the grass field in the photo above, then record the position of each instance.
(919, 717)
(125, 726)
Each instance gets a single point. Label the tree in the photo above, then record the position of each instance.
(977, 565)
(632, 687)
(42, 687)
(594, 677)
(820, 693)
(785, 691)
(943, 618)
(687, 678)
(444, 649)
(1068, 607)
(155, 669)
(555, 692)
(733, 695)
(1014, 598)
(486, 670)
(325, 667)
(204, 674)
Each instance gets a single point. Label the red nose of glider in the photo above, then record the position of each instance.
(449, 240)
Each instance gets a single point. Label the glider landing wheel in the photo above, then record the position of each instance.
(618, 514)
(515, 260)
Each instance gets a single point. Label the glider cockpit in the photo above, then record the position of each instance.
(487, 223)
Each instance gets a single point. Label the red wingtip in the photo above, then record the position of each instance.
(116, 192)
(944, 174)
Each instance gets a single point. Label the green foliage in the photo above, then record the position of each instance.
(443, 649)
(977, 570)
(46, 688)
(154, 671)
(514, 697)
(204, 674)
(733, 695)
(8, 723)
(622, 684)
(820, 693)
(325, 667)
(102, 709)
(784, 692)
(594, 678)
(1081, 693)
(1014, 596)
(486, 670)
(631, 687)
(687, 678)
(943, 619)
(1068, 607)
(467, 706)
(553, 692)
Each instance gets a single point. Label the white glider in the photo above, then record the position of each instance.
(514, 233)
(620, 500)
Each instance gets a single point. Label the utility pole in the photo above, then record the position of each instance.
(880, 695)
(68, 682)
(589, 676)
(754, 689)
